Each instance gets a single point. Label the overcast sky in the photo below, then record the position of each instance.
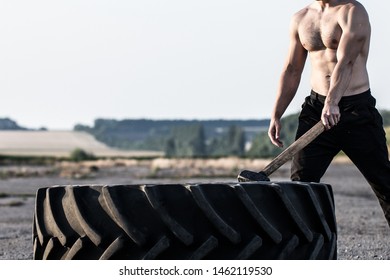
(64, 62)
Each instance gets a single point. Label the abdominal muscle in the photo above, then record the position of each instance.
(323, 63)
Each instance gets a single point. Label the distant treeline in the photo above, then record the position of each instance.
(194, 138)
(197, 138)
(177, 137)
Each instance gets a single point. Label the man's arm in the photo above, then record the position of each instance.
(356, 30)
(289, 81)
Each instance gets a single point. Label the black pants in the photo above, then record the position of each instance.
(359, 134)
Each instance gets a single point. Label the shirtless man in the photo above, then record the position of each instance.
(335, 34)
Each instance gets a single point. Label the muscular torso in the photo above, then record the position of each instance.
(319, 32)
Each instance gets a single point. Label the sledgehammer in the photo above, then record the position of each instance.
(282, 158)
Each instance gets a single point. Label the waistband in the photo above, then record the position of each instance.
(347, 99)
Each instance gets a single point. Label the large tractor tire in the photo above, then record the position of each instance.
(262, 220)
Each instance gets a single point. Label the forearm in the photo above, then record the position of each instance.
(339, 83)
(288, 86)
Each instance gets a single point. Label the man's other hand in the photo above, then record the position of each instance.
(274, 133)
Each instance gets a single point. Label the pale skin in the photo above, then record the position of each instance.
(336, 37)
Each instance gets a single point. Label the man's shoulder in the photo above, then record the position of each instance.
(302, 13)
(354, 3)
(353, 7)
(305, 12)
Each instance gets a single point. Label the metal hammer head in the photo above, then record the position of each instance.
(251, 176)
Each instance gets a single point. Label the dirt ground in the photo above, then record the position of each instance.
(362, 230)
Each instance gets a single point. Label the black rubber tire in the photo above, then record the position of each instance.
(262, 220)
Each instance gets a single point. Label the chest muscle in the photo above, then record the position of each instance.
(319, 34)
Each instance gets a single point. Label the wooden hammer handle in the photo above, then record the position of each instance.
(298, 145)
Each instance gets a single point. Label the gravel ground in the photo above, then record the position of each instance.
(363, 232)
